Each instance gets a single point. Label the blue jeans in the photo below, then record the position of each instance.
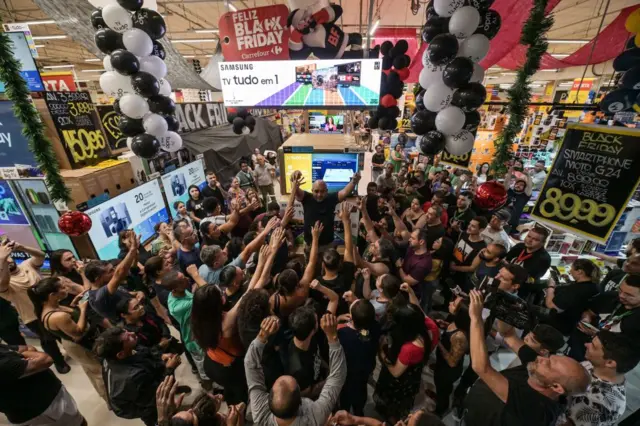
(428, 288)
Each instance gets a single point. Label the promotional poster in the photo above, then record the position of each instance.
(139, 209)
(61, 81)
(77, 124)
(258, 34)
(10, 211)
(291, 84)
(110, 120)
(14, 148)
(336, 169)
(591, 180)
(176, 183)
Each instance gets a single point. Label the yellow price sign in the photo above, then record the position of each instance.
(84, 144)
(571, 208)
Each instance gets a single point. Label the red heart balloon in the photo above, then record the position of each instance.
(490, 195)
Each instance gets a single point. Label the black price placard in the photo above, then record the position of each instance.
(592, 178)
(460, 161)
(77, 123)
(110, 120)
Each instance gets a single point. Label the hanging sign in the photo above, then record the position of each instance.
(459, 161)
(257, 34)
(14, 148)
(58, 81)
(592, 178)
(109, 120)
(200, 115)
(77, 124)
(23, 28)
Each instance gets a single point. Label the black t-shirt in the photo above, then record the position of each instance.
(573, 299)
(435, 232)
(463, 219)
(196, 207)
(23, 398)
(360, 352)
(524, 406)
(612, 280)
(323, 211)
(306, 366)
(230, 301)
(208, 192)
(613, 316)
(536, 263)
(377, 159)
(517, 202)
(339, 284)
(466, 250)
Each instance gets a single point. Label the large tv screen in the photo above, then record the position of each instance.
(28, 69)
(343, 83)
(139, 209)
(176, 183)
(336, 169)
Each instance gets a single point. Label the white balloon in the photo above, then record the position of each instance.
(134, 106)
(170, 142)
(449, 121)
(445, 8)
(155, 125)
(437, 97)
(117, 17)
(115, 85)
(137, 42)
(478, 73)
(165, 87)
(106, 62)
(460, 143)
(429, 76)
(129, 140)
(475, 47)
(154, 66)
(425, 58)
(464, 21)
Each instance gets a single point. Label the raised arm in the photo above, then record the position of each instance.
(376, 269)
(231, 223)
(310, 270)
(471, 268)
(348, 189)
(6, 248)
(345, 215)
(122, 270)
(73, 329)
(329, 294)
(262, 258)
(509, 335)
(258, 241)
(366, 283)
(479, 356)
(507, 178)
(366, 220)
(401, 227)
(192, 271)
(249, 208)
(323, 406)
(37, 255)
(277, 238)
(296, 185)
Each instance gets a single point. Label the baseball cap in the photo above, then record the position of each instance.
(503, 215)
(550, 338)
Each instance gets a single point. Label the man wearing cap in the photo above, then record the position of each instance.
(495, 233)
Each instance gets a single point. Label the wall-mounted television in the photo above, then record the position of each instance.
(325, 123)
(338, 83)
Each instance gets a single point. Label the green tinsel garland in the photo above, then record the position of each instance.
(533, 35)
(18, 91)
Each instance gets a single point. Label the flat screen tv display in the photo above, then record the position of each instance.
(336, 169)
(321, 123)
(338, 83)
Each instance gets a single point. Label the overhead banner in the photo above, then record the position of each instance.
(77, 124)
(58, 81)
(340, 83)
(258, 34)
(177, 183)
(109, 120)
(460, 161)
(10, 211)
(28, 69)
(200, 115)
(14, 148)
(592, 179)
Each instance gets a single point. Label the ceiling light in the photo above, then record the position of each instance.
(550, 70)
(375, 26)
(559, 55)
(505, 86)
(51, 67)
(41, 22)
(51, 37)
(194, 40)
(494, 69)
(102, 70)
(39, 46)
(207, 31)
(232, 7)
(93, 60)
(562, 41)
(189, 56)
(509, 73)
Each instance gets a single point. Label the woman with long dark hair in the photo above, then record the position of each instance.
(453, 345)
(71, 325)
(194, 204)
(403, 353)
(64, 265)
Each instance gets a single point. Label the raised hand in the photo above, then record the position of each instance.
(317, 229)
(166, 403)
(272, 224)
(192, 270)
(277, 238)
(6, 248)
(476, 304)
(268, 328)
(329, 325)
(344, 212)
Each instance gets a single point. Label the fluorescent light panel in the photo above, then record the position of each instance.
(51, 37)
(102, 70)
(375, 27)
(93, 60)
(207, 31)
(51, 67)
(39, 46)
(41, 22)
(195, 40)
(559, 55)
(232, 7)
(509, 73)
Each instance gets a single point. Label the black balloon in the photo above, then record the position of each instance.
(116, 106)
(458, 72)
(442, 49)
(242, 113)
(231, 116)
(384, 122)
(386, 47)
(238, 122)
(373, 122)
(471, 121)
(393, 124)
(393, 111)
(431, 142)
(172, 123)
(124, 62)
(151, 22)
(618, 100)
(420, 101)
(130, 126)
(145, 84)
(161, 105)
(469, 97)
(387, 62)
(97, 21)
(158, 50)
(490, 23)
(631, 79)
(627, 60)
(108, 40)
(250, 121)
(434, 26)
(145, 145)
(131, 5)
(421, 122)
(401, 61)
(402, 46)
(481, 5)
(430, 11)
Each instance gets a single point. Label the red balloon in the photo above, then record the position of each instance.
(403, 73)
(74, 223)
(388, 101)
(490, 195)
(386, 72)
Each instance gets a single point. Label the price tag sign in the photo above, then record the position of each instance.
(459, 161)
(592, 178)
(77, 123)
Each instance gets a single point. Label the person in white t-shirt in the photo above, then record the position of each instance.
(538, 175)
(495, 233)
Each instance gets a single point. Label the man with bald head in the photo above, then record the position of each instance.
(320, 206)
(530, 394)
(283, 405)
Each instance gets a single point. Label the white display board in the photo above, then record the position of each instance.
(176, 183)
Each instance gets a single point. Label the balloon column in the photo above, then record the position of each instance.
(627, 96)
(395, 69)
(242, 120)
(458, 34)
(128, 34)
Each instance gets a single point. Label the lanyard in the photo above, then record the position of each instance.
(613, 319)
(522, 258)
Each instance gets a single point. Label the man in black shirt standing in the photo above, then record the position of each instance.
(29, 391)
(526, 395)
(533, 257)
(214, 189)
(433, 225)
(466, 250)
(460, 215)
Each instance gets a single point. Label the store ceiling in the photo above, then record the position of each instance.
(574, 19)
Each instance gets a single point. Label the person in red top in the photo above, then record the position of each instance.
(438, 199)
